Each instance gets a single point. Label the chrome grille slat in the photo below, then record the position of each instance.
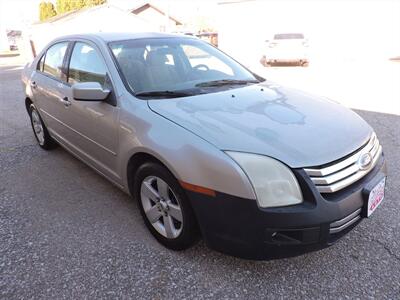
(375, 149)
(345, 219)
(342, 224)
(344, 163)
(342, 174)
(336, 176)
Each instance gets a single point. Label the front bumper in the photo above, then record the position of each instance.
(239, 227)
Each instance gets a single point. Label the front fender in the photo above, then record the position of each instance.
(190, 158)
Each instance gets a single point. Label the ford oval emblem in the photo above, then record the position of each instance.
(364, 161)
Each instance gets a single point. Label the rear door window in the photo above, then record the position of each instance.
(53, 60)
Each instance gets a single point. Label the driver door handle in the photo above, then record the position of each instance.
(66, 101)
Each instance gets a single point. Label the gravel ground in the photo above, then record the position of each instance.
(67, 233)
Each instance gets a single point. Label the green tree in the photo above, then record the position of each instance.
(68, 5)
(42, 11)
(94, 2)
(77, 4)
(63, 6)
(46, 10)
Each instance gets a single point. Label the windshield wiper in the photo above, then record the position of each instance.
(162, 94)
(222, 82)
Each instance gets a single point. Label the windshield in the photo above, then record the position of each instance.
(160, 66)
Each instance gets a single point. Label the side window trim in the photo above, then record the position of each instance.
(67, 61)
(40, 64)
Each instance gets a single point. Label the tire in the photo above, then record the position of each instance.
(163, 222)
(40, 131)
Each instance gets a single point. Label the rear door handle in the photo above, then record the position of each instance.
(66, 101)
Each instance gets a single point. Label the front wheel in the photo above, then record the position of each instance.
(164, 206)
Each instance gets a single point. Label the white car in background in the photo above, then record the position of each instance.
(287, 48)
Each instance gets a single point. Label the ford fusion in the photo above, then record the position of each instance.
(205, 146)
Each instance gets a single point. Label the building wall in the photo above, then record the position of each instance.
(4, 45)
(163, 23)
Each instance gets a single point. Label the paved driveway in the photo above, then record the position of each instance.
(65, 232)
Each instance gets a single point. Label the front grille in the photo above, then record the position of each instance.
(342, 224)
(341, 174)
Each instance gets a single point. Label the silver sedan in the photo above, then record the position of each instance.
(205, 146)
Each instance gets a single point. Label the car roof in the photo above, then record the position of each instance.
(120, 36)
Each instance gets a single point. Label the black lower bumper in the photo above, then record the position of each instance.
(239, 227)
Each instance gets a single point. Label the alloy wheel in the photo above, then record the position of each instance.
(161, 206)
(37, 127)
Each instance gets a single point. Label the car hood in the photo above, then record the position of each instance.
(291, 126)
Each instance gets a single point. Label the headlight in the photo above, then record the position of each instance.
(273, 182)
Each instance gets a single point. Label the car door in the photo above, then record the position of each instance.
(92, 126)
(47, 86)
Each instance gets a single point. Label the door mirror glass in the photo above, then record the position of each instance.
(89, 91)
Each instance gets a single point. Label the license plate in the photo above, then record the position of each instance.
(376, 196)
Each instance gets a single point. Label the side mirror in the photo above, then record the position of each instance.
(89, 91)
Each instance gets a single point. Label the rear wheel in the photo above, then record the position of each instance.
(164, 206)
(39, 129)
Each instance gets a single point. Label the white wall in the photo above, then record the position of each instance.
(163, 22)
(4, 45)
